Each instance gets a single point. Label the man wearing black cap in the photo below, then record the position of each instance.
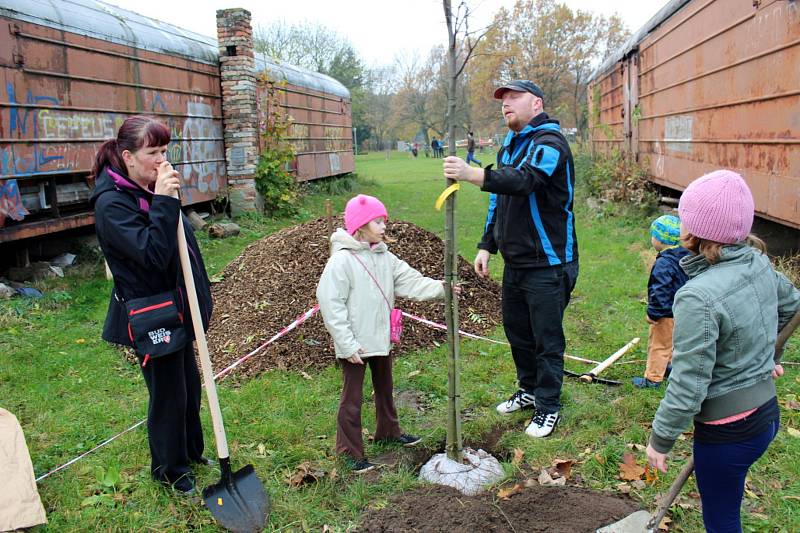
(530, 221)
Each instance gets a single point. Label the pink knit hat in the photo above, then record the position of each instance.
(362, 210)
(717, 207)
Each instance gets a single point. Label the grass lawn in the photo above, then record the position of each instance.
(71, 391)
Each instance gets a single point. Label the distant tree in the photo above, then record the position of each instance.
(545, 41)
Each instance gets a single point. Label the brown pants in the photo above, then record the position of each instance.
(348, 422)
(659, 349)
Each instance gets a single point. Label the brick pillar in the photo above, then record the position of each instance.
(239, 111)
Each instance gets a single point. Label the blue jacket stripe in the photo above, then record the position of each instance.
(568, 209)
(552, 258)
(490, 214)
(545, 158)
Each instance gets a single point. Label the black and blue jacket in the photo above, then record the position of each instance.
(137, 232)
(666, 278)
(530, 219)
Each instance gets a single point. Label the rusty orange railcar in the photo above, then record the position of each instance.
(318, 110)
(72, 72)
(707, 84)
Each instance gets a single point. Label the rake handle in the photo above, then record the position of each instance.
(590, 375)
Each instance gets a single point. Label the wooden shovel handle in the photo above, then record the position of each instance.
(202, 345)
(674, 489)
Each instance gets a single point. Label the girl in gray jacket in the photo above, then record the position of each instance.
(356, 297)
(727, 319)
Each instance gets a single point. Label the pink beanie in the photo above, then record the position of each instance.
(362, 210)
(717, 207)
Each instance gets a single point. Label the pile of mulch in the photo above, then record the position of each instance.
(537, 508)
(275, 279)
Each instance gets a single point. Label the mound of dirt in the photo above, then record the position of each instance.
(444, 509)
(275, 279)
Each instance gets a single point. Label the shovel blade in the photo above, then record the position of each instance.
(238, 502)
(633, 523)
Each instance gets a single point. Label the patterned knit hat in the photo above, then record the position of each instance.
(666, 229)
(362, 210)
(718, 207)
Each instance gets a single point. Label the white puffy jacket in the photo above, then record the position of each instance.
(355, 313)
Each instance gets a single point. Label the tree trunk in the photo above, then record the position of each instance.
(454, 440)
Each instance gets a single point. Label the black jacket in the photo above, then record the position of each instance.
(138, 233)
(530, 219)
(666, 278)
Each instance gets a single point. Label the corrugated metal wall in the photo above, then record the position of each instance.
(320, 132)
(715, 85)
(64, 93)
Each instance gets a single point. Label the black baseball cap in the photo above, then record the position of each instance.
(524, 86)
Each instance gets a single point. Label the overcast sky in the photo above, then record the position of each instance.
(379, 29)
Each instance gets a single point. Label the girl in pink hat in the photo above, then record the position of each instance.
(727, 318)
(356, 297)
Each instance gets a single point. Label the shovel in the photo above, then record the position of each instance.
(238, 502)
(644, 522)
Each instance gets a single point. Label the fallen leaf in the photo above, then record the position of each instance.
(793, 432)
(561, 468)
(760, 516)
(80, 341)
(546, 479)
(599, 458)
(305, 375)
(694, 495)
(650, 475)
(414, 373)
(624, 488)
(305, 473)
(750, 494)
(628, 469)
(791, 497)
(664, 525)
(506, 493)
(518, 455)
(638, 484)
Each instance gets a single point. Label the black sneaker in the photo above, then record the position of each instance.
(359, 466)
(518, 401)
(185, 486)
(409, 440)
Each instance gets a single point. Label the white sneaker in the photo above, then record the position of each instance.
(542, 424)
(519, 400)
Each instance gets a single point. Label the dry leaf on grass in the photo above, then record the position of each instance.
(305, 375)
(664, 525)
(793, 432)
(546, 479)
(650, 475)
(518, 455)
(414, 373)
(305, 472)
(561, 468)
(507, 492)
(624, 488)
(760, 516)
(628, 469)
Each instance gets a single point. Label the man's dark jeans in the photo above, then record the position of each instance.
(534, 300)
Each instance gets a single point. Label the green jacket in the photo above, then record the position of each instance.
(727, 319)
